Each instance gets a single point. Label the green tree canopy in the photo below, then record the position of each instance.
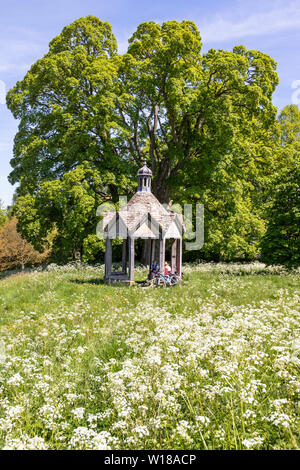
(205, 122)
(66, 208)
(281, 242)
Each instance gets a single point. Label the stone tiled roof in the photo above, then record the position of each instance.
(140, 204)
(144, 171)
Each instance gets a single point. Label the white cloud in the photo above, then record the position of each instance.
(22, 48)
(278, 18)
(4, 146)
(122, 46)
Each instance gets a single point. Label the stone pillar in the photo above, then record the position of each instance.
(179, 256)
(150, 253)
(108, 257)
(156, 250)
(131, 258)
(173, 255)
(124, 256)
(162, 246)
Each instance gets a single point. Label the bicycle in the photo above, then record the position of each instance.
(166, 279)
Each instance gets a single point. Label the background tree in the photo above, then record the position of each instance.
(3, 214)
(289, 120)
(281, 242)
(205, 122)
(15, 251)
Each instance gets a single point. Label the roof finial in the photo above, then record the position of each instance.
(144, 176)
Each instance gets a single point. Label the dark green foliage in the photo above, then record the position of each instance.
(281, 242)
(3, 215)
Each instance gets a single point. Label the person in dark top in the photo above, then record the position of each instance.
(154, 268)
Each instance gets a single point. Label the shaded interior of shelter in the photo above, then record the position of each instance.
(156, 251)
(143, 218)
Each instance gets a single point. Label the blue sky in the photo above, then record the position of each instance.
(26, 27)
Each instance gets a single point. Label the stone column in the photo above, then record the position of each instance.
(124, 255)
(150, 254)
(173, 255)
(131, 258)
(108, 257)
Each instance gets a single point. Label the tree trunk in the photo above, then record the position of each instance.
(161, 192)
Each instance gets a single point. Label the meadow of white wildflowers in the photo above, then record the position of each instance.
(213, 364)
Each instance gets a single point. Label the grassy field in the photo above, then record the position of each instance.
(211, 364)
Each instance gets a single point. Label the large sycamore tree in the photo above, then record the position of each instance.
(204, 122)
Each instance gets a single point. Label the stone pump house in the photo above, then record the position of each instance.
(142, 217)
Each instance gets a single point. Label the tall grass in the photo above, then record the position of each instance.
(211, 364)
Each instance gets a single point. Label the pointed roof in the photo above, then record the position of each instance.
(143, 203)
